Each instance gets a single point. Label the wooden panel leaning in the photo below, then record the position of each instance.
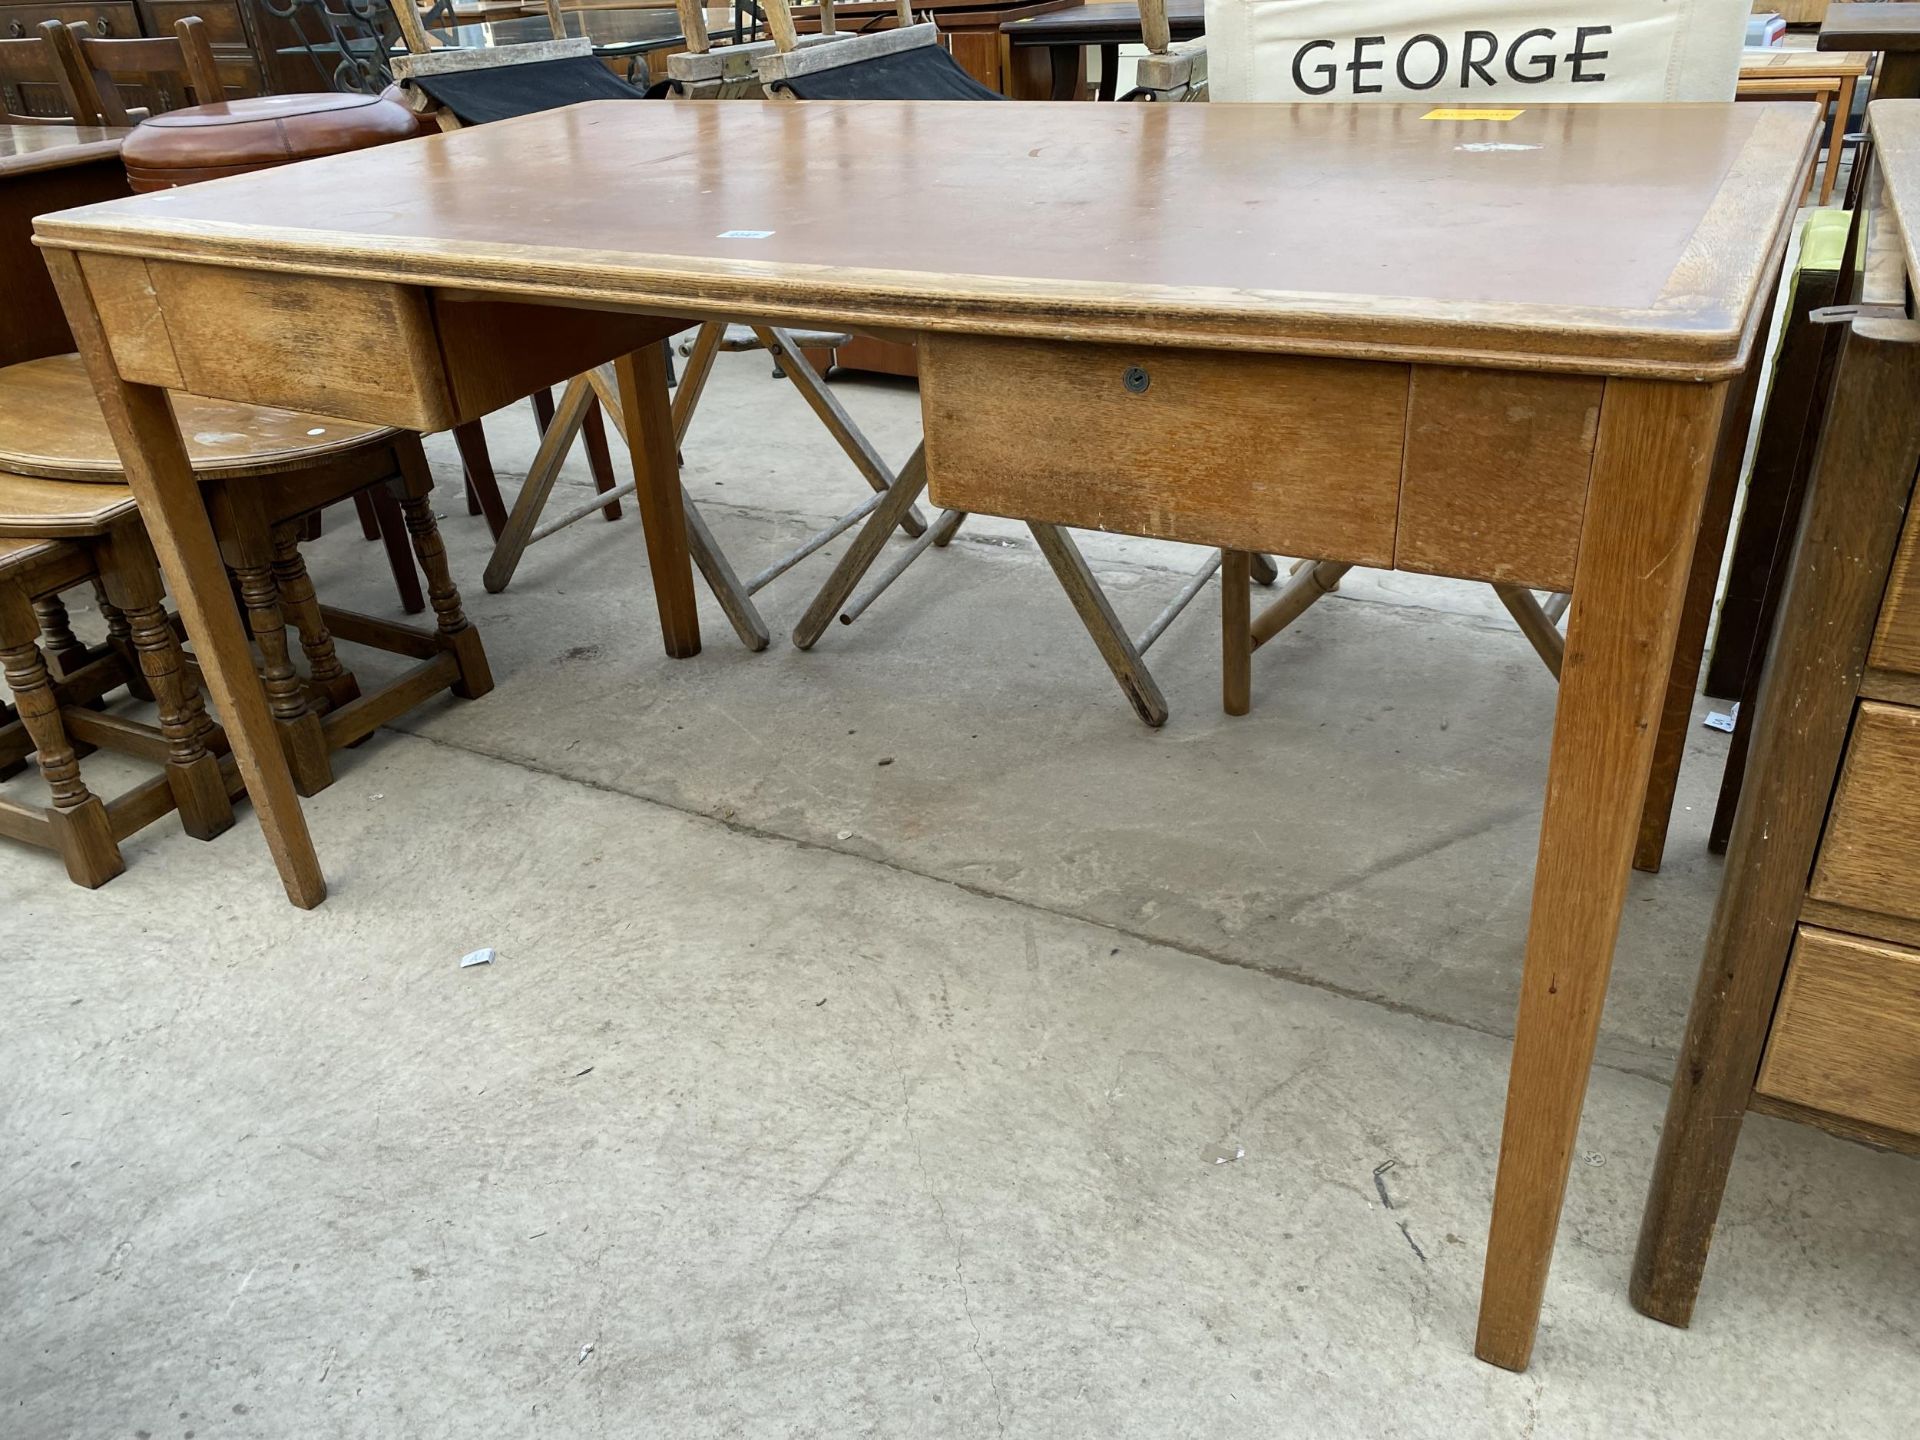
(56, 680)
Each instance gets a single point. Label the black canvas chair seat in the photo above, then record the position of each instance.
(925, 72)
(479, 97)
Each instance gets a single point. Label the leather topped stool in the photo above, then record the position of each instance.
(204, 142)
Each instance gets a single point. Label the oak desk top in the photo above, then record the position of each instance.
(27, 148)
(1605, 238)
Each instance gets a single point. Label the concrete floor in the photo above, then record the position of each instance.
(866, 1031)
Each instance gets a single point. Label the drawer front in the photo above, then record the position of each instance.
(1846, 1037)
(116, 21)
(1870, 854)
(238, 77)
(1896, 641)
(225, 28)
(1263, 453)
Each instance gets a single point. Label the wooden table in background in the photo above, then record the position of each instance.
(1892, 29)
(1060, 36)
(1487, 365)
(1789, 72)
(42, 168)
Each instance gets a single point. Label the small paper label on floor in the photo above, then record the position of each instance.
(1722, 719)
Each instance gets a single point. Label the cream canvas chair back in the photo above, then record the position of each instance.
(1467, 52)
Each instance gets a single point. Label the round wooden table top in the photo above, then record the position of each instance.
(51, 425)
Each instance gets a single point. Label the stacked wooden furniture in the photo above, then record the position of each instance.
(67, 518)
(56, 711)
(267, 471)
(1808, 1004)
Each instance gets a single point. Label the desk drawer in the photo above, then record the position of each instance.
(226, 30)
(1245, 452)
(1896, 641)
(1846, 1037)
(1870, 854)
(115, 19)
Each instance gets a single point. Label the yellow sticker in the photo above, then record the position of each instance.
(1444, 114)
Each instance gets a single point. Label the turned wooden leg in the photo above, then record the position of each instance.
(1650, 468)
(647, 416)
(247, 542)
(61, 648)
(456, 632)
(152, 454)
(120, 641)
(331, 679)
(82, 833)
(131, 579)
(1236, 631)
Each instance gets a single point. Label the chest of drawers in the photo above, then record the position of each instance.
(1808, 1001)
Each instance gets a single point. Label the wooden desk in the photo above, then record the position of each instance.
(1892, 29)
(42, 168)
(1808, 1004)
(1523, 364)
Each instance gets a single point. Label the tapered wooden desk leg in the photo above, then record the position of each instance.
(1236, 632)
(1863, 476)
(647, 415)
(1683, 679)
(155, 460)
(1650, 469)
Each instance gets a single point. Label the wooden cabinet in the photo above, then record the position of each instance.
(1808, 1001)
(229, 25)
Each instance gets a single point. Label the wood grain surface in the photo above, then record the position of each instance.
(1604, 238)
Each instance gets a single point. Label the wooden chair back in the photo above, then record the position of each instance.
(1467, 52)
(171, 71)
(702, 72)
(786, 35)
(38, 79)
